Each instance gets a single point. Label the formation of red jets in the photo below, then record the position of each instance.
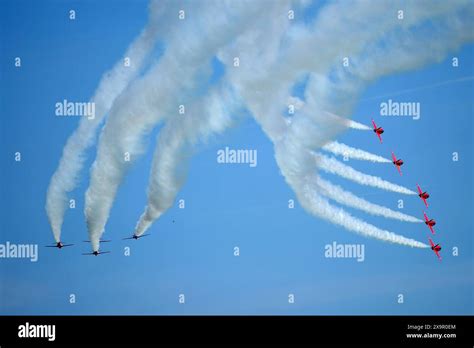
(422, 194)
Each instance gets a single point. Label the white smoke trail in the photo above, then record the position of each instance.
(327, 89)
(333, 166)
(443, 30)
(208, 116)
(339, 149)
(264, 78)
(348, 123)
(113, 82)
(317, 205)
(157, 96)
(336, 31)
(212, 115)
(341, 196)
(357, 125)
(447, 33)
(298, 104)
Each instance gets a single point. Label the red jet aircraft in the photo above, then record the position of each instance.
(423, 195)
(429, 222)
(397, 162)
(378, 130)
(436, 248)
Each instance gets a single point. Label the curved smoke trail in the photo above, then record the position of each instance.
(209, 116)
(113, 82)
(294, 140)
(273, 55)
(154, 97)
(277, 130)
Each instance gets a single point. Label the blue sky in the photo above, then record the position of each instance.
(190, 250)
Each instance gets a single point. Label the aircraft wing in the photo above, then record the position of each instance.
(424, 200)
(380, 137)
(431, 228)
(373, 122)
(393, 157)
(138, 237)
(399, 170)
(431, 242)
(426, 217)
(437, 254)
(419, 189)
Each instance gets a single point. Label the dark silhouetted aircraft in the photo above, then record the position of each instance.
(58, 245)
(136, 237)
(97, 253)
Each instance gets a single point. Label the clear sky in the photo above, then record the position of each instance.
(190, 251)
